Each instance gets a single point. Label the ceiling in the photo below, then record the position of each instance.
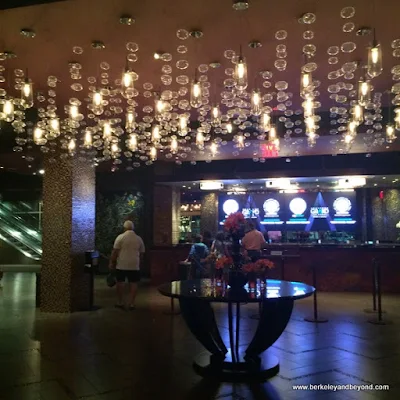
(61, 26)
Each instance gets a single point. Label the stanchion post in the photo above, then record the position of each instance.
(315, 303)
(172, 312)
(374, 287)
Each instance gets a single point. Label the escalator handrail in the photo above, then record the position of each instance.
(29, 220)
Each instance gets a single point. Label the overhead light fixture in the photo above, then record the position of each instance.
(280, 183)
(351, 182)
(211, 185)
(41, 171)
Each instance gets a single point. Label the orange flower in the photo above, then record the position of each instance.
(234, 222)
(264, 264)
(249, 268)
(223, 262)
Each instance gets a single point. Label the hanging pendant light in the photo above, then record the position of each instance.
(38, 135)
(200, 140)
(183, 122)
(196, 94)
(8, 110)
(214, 149)
(229, 127)
(155, 134)
(159, 108)
(310, 125)
(312, 139)
(88, 140)
(240, 73)
(272, 134)
(374, 68)
(174, 145)
(71, 147)
(364, 92)
(397, 118)
(27, 94)
(215, 116)
(132, 142)
(358, 114)
(240, 142)
(390, 133)
(265, 122)
(153, 154)
(256, 102)
(73, 112)
(130, 121)
(306, 84)
(107, 131)
(115, 150)
(308, 106)
(97, 99)
(54, 126)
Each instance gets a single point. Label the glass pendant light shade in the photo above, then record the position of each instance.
(183, 128)
(73, 112)
(312, 139)
(97, 99)
(390, 133)
(153, 154)
(364, 92)
(54, 126)
(277, 143)
(196, 94)
(72, 146)
(265, 122)
(213, 149)
(8, 110)
(38, 136)
(306, 84)
(115, 150)
(310, 125)
(155, 134)
(107, 131)
(199, 139)
(272, 134)
(352, 128)
(308, 106)
(130, 121)
(256, 102)
(348, 138)
(132, 142)
(215, 116)
(375, 61)
(88, 140)
(358, 114)
(27, 94)
(229, 127)
(159, 108)
(174, 145)
(240, 142)
(397, 118)
(240, 74)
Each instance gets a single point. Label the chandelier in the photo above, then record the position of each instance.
(116, 117)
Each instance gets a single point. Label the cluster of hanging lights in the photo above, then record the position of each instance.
(266, 118)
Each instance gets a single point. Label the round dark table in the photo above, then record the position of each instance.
(236, 362)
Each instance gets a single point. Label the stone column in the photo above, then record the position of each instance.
(68, 231)
(166, 219)
(209, 213)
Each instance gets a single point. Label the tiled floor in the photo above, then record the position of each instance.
(145, 354)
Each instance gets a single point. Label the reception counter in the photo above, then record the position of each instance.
(339, 267)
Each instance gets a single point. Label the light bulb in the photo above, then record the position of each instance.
(73, 112)
(215, 116)
(352, 128)
(306, 85)
(256, 102)
(155, 135)
(273, 134)
(54, 124)
(310, 125)
(72, 146)
(97, 99)
(265, 122)
(8, 110)
(130, 120)
(390, 133)
(174, 145)
(159, 107)
(195, 95)
(27, 94)
(375, 61)
(153, 153)
(132, 142)
(240, 74)
(348, 138)
(229, 127)
(364, 92)
(107, 131)
(199, 139)
(87, 143)
(114, 150)
(358, 114)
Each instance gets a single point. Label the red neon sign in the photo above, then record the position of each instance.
(269, 151)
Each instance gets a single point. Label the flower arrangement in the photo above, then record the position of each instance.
(234, 222)
(223, 262)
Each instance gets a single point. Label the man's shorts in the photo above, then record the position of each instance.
(123, 274)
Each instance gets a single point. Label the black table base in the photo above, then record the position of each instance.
(231, 370)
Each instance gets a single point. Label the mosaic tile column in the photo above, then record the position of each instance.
(68, 231)
(209, 213)
(166, 219)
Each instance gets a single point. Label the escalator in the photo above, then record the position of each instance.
(20, 228)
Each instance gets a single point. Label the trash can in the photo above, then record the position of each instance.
(90, 267)
(38, 282)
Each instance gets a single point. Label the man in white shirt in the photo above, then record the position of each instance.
(125, 259)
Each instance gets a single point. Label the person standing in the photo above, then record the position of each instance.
(218, 246)
(125, 259)
(253, 242)
(197, 255)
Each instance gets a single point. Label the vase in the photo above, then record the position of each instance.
(237, 280)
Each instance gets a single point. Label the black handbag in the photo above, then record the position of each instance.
(111, 279)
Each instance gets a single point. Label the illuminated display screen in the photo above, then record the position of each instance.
(321, 211)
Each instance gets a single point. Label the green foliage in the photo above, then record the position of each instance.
(111, 212)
